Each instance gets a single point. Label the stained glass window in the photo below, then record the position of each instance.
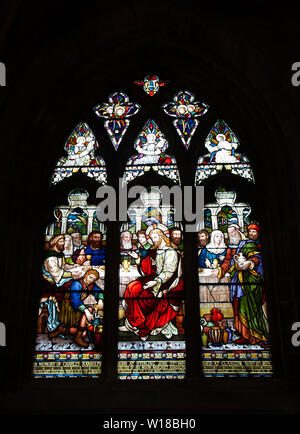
(117, 111)
(151, 330)
(233, 310)
(222, 143)
(80, 148)
(151, 145)
(70, 318)
(186, 111)
(151, 84)
(151, 307)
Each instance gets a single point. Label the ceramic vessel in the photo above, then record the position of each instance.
(216, 334)
(204, 339)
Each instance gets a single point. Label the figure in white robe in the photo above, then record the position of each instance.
(224, 150)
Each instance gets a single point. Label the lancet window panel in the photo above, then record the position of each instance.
(151, 343)
(233, 307)
(69, 339)
(221, 144)
(80, 148)
(151, 146)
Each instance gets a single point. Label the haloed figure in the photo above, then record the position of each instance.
(152, 301)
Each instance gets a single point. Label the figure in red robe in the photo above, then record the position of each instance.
(152, 301)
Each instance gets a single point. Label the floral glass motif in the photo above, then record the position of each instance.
(70, 318)
(151, 84)
(151, 145)
(233, 311)
(185, 110)
(116, 111)
(222, 144)
(80, 147)
(151, 342)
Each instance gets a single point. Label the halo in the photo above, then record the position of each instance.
(220, 137)
(158, 226)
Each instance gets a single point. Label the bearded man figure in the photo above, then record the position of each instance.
(126, 241)
(235, 236)
(176, 237)
(94, 249)
(253, 234)
(203, 239)
(247, 292)
(127, 247)
(214, 252)
(152, 301)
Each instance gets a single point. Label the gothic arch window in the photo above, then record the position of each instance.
(151, 307)
(222, 143)
(233, 308)
(71, 305)
(149, 147)
(80, 149)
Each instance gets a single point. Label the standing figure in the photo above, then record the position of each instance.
(247, 294)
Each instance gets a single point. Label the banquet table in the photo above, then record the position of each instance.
(213, 289)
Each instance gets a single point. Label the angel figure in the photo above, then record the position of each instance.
(223, 150)
(149, 152)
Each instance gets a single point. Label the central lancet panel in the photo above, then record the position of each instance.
(151, 293)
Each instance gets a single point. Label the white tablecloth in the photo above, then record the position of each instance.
(127, 277)
(210, 288)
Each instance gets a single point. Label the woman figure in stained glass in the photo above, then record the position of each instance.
(213, 254)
